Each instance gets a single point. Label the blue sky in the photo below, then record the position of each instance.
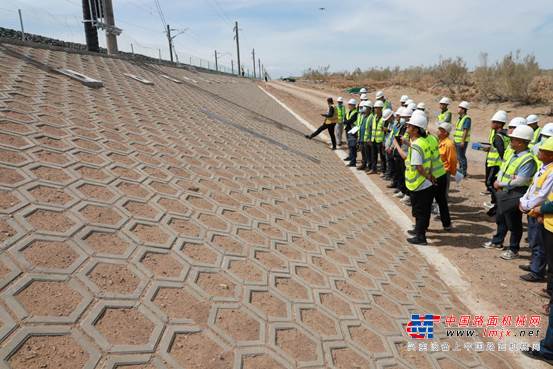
(290, 36)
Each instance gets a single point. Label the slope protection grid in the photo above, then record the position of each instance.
(191, 225)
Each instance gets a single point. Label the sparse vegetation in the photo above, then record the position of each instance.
(515, 78)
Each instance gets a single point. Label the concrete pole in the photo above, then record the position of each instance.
(111, 38)
(259, 68)
(216, 64)
(237, 46)
(253, 57)
(132, 49)
(170, 42)
(90, 31)
(232, 66)
(21, 23)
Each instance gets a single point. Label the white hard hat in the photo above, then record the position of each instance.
(517, 121)
(500, 116)
(532, 118)
(417, 112)
(406, 112)
(387, 113)
(445, 126)
(465, 105)
(403, 98)
(352, 102)
(364, 97)
(369, 104)
(547, 130)
(421, 106)
(363, 90)
(445, 100)
(409, 101)
(399, 111)
(379, 94)
(378, 104)
(418, 120)
(523, 132)
(412, 106)
(340, 99)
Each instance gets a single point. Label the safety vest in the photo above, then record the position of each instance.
(387, 105)
(377, 129)
(438, 169)
(493, 159)
(334, 118)
(413, 179)
(350, 113)
(535, 138)
(364, 128)
(394, 128)
(445, 117)
(548, 218)
(510, 167)
(459, 130)
(341, 109)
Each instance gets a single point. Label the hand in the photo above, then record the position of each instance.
(521, 208)
(537, 210)
(496, 185)
(540, 219)
(462, 145)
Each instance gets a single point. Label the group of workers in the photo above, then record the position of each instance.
(420, 163)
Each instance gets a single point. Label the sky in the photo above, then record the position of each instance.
(291, 36)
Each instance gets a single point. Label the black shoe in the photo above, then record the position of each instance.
(448, 228)
(346, 159)
(531, 277)
(417, 240)
(333, 148)
(351, 165)
(537, 354)
(525, 267)
(362, 167)
(491, 212)
(391, 185)
(412, 232)
(308, 137)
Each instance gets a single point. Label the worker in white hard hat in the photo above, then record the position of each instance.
(513, 180)
(331, 118)
(499, 142)
(418, 177)
(462, 136)
(403, 100)
(341, 110)
(349, 123)
(545, 133)
(538, 192)
(363, 90)
(390, 125)
(377, 138)
(448, 153)
(380, 96)
(533, 122)
(364, 136)
(401, 142)
(445, 114)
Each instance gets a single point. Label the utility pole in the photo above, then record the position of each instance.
(253, 57)
(237, 45)
(259, 68)
(159, 51)
(111, 37)
(90, 31)
(21, 23)
(232, 66)
(170, 42)
(216, 64)
(132, 49)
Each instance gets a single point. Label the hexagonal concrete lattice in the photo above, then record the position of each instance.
(50, 195)
(238, 324)
(269, 304)
(10, 177)
(142, 210)
(228, 244)
(345, 357)
(101, 215)
(107, 243)
(213, 222)
(113, 279)
(199, 254)
(216, 284)
(296, 344)
(184, 227)
(51, 174)
(124, 326)
(262, 360)
(319, 322)
(195, 349)
(367, 340)
(97, 192)
(181, 305)
(52, 221)
(291, 288)
(151, 234)
(51, 254)
(163, 265)
(247, 271)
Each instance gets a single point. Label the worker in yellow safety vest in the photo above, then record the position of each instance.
(341, 109)
(533, 122)
(445, 114)
(462, 136)
(377, 138)
(331, 118)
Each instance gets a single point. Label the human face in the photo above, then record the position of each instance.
(378, 111)
(442, 133)
(443, 107)
(545, 156)
(412, 130)
(461, 111)
(518, 145)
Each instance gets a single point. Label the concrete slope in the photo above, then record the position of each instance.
(165, 226)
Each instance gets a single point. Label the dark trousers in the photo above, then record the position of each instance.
(389, 164)
(462, 157)
(441, 198)
(535, 241)
(421, 202)
(547, 238)
(511, 221)
(491, 177)
(352, 148)
(399, 173)
(376, 151)
(365, 154)
(330, 128)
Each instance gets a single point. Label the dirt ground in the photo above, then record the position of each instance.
(495, 281)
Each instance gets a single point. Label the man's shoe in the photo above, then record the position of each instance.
(372, 172)
(351, 165)
(509, 255)
(485, 193)
(333, 148)
(391, 185)
(417, 241)
(488, 205)
(308, 137)
(544, 293)
(362, 167)
(346, 159)
(491, 245)
(448, 228)
(531, 277)
(537, 355)
(525, 267)
(491, 212)
(412, 232)
(399, 194)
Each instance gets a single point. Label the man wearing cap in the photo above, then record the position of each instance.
(377, 137)
(533, 121)
(331, 118)
(513, 180)
(341, 109)
(380, 97)
(541, 187)
(349, 123)
(418, 177)
(462, 136)
(445, 114)
(498, 141)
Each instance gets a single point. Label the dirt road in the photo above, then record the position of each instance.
(494, 280)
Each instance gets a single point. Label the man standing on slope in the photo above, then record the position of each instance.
(462, 136)
(331, 118)
(380, 96)
(533, 121)
(349, 123)
(341, 109)
(377, 137)
(445, 114)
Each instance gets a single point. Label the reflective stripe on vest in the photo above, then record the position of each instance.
(341, 109)
(493, 159)
(458, 136)
(413, 179)
(541, 179)
(387, 105)
(535, 138)
(445, 117)
(438, 169)
(333, 118)
(377, 129)
(548, 218)
(510, 168)
(364, 129)
(350, 113)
